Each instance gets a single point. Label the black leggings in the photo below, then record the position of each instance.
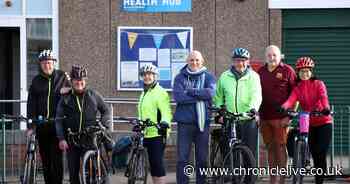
(155, 149)
(319, 140)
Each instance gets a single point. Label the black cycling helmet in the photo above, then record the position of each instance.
(78, 72)
(46, 55)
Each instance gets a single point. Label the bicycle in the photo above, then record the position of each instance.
(94, 169)
(301, 155)
(231, 151)
(137, 166)
(30, 164)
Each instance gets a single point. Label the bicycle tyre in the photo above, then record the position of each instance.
(29, 169)
(215, 159)
(299, 160)
(239, 156)
(138, 172)
(90, 169)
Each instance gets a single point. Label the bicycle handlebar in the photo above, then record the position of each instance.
(99, 129)
(293, 113)
(141, 123)
(222, 111)
(39, 120)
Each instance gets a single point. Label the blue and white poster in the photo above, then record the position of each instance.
(165, 47)
(152, 6)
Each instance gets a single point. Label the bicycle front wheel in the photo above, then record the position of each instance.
(138, 167)
(299, 160)
(94, 170)
(237, 164)
(29, 169)
(215, 158)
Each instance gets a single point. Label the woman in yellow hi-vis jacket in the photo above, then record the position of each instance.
(154, 104)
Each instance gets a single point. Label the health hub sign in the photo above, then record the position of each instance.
(151, 6)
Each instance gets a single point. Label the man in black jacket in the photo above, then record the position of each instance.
(79, 109)
(44, 93)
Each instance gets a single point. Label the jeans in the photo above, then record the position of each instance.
(188, 133)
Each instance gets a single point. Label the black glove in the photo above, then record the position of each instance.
(136, 128)
(281, 110)
(326, 111)
(162, 128)
(254, 112)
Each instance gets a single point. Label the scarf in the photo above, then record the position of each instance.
(200, 105)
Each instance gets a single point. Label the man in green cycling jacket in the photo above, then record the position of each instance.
(239, 90)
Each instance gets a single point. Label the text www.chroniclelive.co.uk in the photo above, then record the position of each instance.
(189, 170)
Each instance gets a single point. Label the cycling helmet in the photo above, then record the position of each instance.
(240, 53)
(78, 72)
(46, 55)
(304, 62)
(148, 68)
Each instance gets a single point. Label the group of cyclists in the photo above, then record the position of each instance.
(275, 88)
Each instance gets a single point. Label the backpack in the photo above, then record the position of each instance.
(121, 151)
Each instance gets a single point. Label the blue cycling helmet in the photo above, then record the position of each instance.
(240, 53)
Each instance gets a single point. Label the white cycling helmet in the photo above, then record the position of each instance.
(148, 68)
(46, 55)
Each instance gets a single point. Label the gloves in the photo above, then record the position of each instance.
(253, 111)
(162, 128)
(281, 110)
(255, 114)
(326, 111)
(136, 128)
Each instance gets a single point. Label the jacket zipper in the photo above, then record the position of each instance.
(236, 97)
(48, 100)
(80, 110)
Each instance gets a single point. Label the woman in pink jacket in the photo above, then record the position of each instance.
(312, 96)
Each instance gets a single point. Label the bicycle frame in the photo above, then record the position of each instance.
(237, 154)
(231, 121)
(138, 154)
(96, 133)
(31, 158)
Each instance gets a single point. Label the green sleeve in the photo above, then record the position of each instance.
(219, 94)
(256, 94)
(164, 107)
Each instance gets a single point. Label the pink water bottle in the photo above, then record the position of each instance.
(304, 120)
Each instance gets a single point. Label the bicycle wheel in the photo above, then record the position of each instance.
(215, 155)
(138, 168)
(299, 160)
(215, 159)
(237, 163)
(94, 170)
(29, 169)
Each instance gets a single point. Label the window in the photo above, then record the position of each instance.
(39, 37)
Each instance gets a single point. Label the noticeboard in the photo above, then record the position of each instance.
(165, 47)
